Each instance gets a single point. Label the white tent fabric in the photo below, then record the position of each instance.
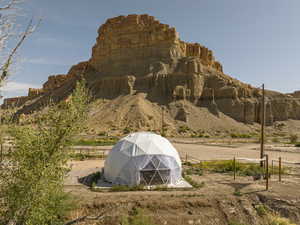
(143, 158)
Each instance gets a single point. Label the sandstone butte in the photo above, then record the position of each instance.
(136, 54)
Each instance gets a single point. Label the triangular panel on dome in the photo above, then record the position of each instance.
(149, 166)
(162, 165)
(139, 151)
(128, 148)
(155, 161)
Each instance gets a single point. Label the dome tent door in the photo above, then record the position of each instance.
(154, 173)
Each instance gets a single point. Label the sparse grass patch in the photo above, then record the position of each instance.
(235, 223)
(238, 135)
(84, 156)
(96, 142)
(137, 217)
(194, 171)
(237, 193)
(277, 220)
(192, 182)
(227, 166)
(161, 188)
(123, 188)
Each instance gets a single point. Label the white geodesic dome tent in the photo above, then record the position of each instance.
(143, 158)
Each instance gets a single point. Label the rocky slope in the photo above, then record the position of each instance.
(136, 55)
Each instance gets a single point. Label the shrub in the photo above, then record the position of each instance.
(237, 193)
(126, 130)
(102, 133)
(297, 144)
(293, 138)
(277, 220)
(183, 129)
(261, 210)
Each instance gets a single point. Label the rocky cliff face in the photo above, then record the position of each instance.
(137, 54)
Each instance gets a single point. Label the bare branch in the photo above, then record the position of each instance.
(9, 5)
(5, 68)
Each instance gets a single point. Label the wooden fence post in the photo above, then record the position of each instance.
(267, 172)
(234, 168)
(279, 174)
(1, 153)
(272, 172)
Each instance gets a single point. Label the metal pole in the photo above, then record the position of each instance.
(234, 168)
(262, 137)
(279, 169)
(267, 172)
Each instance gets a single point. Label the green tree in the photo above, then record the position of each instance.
(31, 178)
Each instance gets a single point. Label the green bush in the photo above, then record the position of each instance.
(126, 130)
(261, 210)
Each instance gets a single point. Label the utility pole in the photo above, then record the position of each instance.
(262, 121)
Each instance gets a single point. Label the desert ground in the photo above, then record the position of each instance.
(220, 200)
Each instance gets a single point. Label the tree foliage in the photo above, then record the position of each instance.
(31, 178)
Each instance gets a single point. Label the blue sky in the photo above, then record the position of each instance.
(257, 41)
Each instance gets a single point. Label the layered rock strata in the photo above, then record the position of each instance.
(138, 54)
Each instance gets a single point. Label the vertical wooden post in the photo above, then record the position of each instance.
(279, 173)
(1, 153)
(272, 172)
(186, 157)
(162, 120)
(262, 120)
(267, 172)
(234, 168)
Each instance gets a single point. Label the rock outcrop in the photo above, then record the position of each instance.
(138, 54)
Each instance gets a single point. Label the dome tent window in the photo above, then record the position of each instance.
(143, 158)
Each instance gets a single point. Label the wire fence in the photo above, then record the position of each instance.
(275, 169)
